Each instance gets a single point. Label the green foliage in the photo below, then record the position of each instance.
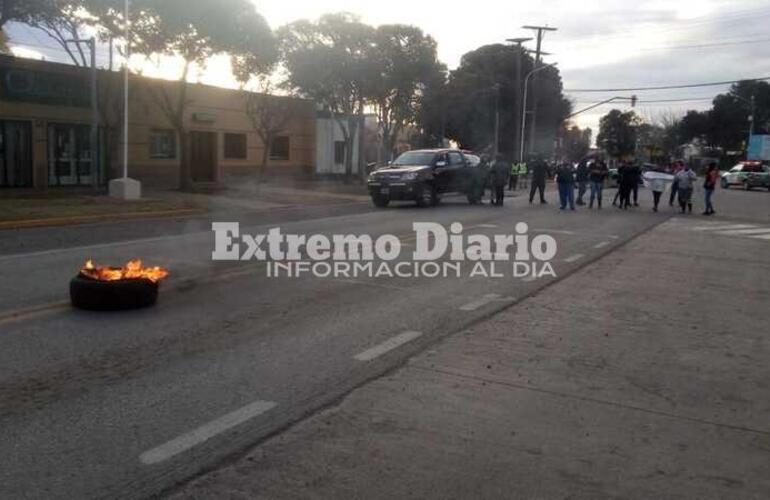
(576, 143)
(404, 63)
(330, 61)
(618, 133)
(471, 96)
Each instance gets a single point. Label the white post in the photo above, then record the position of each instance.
(524, 107)
(125, 188)
(125, 92)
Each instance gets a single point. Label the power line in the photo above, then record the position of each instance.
(706, 45)
(738, 16)
(669, 87)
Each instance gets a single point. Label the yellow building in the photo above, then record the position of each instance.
(45, 127)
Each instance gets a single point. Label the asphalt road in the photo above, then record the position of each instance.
(127, 405)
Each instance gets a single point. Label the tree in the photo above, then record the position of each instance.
(269, 116)
(576, 142)
(405, 62)
(486, 81)
(22, 10)
(4, 43)
(618, 133)
(192, 31)
(329, 61)
(64, 21)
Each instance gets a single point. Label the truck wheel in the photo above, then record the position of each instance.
(380, 201)
(427, 196)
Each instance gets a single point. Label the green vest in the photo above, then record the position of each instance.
(522, 169)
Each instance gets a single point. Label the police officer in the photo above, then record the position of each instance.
(514, 177)
(499, 177)
(539, 174)
(523, 175)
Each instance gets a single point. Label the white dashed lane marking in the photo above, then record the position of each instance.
(723, 227)
(387, 346)
(481, 302)
(205, 432)
(601, 245)
(574, 258)
(745, 232)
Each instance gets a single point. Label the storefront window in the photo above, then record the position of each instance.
(15, 154)
(162, 144)
(70, 155)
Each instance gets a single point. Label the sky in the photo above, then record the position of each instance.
(599, 44)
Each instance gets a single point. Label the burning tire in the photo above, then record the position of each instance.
(116, 288)
(95, 295)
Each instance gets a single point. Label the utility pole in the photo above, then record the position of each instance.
(538, 56)
(497, 119)
(517, 117)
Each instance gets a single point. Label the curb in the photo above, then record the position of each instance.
(84, 219)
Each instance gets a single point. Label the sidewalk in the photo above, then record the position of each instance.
(643, 375)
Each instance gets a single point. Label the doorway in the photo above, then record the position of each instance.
(203, 156)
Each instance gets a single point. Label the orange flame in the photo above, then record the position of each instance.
(131, 271)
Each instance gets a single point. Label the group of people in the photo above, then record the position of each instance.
(591, 174)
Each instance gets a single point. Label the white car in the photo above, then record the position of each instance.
(747, 174)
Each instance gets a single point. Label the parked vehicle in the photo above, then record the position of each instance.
(423, 176)
(748, 175)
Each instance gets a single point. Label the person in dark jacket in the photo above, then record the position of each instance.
(581, 176)
(499, 179)
(539, 174)
(635, 177)
(565, 178)
(597, 173)
(625, 183)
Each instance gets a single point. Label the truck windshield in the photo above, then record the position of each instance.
(414, 158)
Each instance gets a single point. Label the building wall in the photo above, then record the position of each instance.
(327, 133)
(211, 109)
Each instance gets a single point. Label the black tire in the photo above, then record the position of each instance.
(427, 196)
(380, 201)
(724, 184)
(746, 186)
(94, 295)
(472, 199)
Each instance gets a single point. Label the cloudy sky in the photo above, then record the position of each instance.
(599, 44)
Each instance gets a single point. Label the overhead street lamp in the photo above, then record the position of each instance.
(524, 106)
(632, 99)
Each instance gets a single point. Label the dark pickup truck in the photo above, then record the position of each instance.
(424, 175)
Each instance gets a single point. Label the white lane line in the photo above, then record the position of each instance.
(601, 245)
(486, 299)
(387, 346)
(554, 231)
(574, 258)
(205, 432)
(724, 228)
(761, 237)
(741, 232)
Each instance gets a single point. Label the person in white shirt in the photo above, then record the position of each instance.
(685, 179)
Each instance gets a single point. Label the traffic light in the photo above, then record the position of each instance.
(633, 101)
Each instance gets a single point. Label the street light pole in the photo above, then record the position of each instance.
(125, 91)
(517, 115)
(524, 107)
